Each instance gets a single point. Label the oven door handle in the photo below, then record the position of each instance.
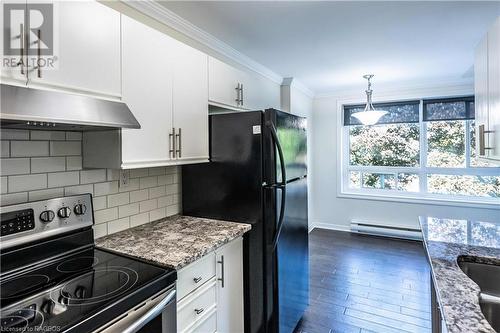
(137, 324)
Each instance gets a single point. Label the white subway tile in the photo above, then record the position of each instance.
(173, 210)
(100, 230)
(165, 180)
(45, 194)
(47, 164)
(73, 163)
(5, 149)
(99, 202)
(29, 148)
(12, 134)
(3, 185)
(128, 210)
(106, 188)
(114, 174)
(156, 192)
(139, 219)
(79, 189)
(92, 176)
(136, 173)
(176, 199)
(146, 182)
(72, 136)
(118, 199)
(133, 184)
(139, 195)
(59, 179)
(14, 166)
(165, 201)
(118, 225)
(176, 178)
(148, 205)
(48, 135)
(157, 171)
(157, 214)
(172, 169)
(65, 148)
(14, 198)
(27, 182)
(173, 189)
(106, 215)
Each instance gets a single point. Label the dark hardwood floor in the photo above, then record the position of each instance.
(366, 284)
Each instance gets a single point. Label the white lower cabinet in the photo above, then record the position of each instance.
(210, 292)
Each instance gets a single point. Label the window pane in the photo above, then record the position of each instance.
(354, 179)
(408, 182)
(384, 145)
(449, 109)
(403, 112)
(379, 181)
(481, 186)
(446, 144)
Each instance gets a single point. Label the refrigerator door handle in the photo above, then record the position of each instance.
(281, 185)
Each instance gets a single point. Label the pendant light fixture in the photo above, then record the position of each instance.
(369, 116)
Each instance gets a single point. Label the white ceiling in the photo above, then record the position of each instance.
(329, 45)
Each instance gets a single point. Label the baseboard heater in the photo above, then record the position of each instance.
(377, 229)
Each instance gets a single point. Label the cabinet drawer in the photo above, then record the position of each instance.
(194, 275)
(194, 308)
(208, 325)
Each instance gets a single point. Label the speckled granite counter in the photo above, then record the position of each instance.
(446, 242)
(175, 241)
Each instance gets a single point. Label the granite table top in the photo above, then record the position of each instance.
(448, 241)
(175, 241)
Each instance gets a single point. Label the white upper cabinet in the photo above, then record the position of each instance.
(190, 104)
(487, 94)
(14, 70)
(86, 48)
(147, 83)
(229, 86)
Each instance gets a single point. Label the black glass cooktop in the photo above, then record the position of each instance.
(74, 294)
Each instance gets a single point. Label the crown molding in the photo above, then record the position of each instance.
(163, 15)
(295, 83)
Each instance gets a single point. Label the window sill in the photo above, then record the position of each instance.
(428, 200)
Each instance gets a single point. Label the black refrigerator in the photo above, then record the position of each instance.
(258, 175)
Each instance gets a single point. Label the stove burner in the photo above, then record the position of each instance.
(22, 285)
(96, 286)
(19, 320)
(77, 264)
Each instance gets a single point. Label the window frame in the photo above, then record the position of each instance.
(343, 189)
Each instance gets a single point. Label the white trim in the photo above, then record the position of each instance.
(296, 84)
(160, 13)
(331, 226)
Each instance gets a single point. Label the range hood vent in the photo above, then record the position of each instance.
(27, 108)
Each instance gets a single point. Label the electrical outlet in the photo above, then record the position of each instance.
(124, 178)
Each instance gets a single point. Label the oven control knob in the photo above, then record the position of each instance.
(64, 212)
(80, 209)
(48, 306)
(80, 292)
(47, 216)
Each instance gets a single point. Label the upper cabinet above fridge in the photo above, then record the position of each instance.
(487, 94)
(65, 49)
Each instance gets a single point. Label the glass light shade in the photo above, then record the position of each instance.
(369, 117)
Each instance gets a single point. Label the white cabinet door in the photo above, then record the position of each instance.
(190, 103)
(147, 90)
(223, 81)
(494, 91)
(260, 93)
(230, 316)
(88, 51)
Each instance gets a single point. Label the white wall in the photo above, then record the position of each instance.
(327, 210)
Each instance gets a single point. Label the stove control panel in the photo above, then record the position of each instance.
(27, 222)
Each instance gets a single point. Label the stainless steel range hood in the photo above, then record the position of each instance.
(27, 108)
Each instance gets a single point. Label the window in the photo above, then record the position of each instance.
(420, 148)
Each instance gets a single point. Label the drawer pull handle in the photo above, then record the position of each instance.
(198, 279)
(198, 311)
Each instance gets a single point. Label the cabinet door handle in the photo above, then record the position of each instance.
(179, 136)
(482, 147)
(221, 279)
(241, 95)
(198, 311)
(171, 143)
(197, 279)
(21, 41)
(39, 54)
(238, 99)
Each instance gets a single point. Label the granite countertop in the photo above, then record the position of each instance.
(447, 241)
(175, 241)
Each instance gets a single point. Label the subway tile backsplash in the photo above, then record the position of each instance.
(38, 165)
